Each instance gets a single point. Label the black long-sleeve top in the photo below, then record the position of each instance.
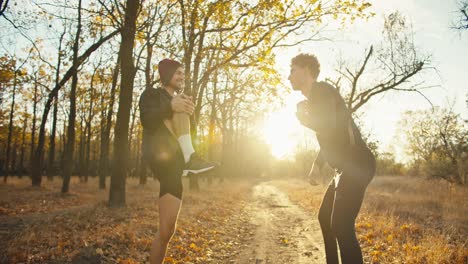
(155, 107)
(337, 134)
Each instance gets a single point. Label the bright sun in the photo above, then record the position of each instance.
(282, 131)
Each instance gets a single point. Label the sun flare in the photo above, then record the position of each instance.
(281, 131)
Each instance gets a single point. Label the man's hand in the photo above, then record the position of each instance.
(303, 113)
(313, 175)
(182, 103)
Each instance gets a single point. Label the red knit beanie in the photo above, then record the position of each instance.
(167, 68)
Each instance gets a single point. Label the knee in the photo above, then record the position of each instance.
(342, 229)
(166, 232)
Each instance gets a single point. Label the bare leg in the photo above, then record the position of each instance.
(180, 124)
(169, 207)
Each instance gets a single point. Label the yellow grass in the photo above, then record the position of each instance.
(403, 220)
(406, 220)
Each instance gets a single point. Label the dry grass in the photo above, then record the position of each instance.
(405, 220)
(426, 202)
(415, 220)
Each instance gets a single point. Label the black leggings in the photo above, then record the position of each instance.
(341, 205)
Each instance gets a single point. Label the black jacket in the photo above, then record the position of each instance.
(158, 142)
(337, 134)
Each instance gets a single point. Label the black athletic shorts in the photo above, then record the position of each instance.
(166, 160)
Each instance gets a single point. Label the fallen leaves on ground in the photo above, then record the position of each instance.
(211, 226)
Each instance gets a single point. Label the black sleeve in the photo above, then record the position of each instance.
(322, 113)
(154, 109)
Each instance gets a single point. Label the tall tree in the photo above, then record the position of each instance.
(121, 146)
(437, 140)
(106, 122)
(10, 127)
(3, 6)
(392, 67)
(462, 16)
(21, 167)
(11, 72)
(70, 145)
(89, 122)
(36, 173)
(51, 165)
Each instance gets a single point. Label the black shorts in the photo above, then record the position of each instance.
(166, 160)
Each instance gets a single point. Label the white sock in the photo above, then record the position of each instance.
(185, 142)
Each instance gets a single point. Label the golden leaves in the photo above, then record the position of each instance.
(83, 227)
(127, 261)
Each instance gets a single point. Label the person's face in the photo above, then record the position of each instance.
(178, 79)
(298, 76)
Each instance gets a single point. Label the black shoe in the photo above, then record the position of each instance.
(197, 165)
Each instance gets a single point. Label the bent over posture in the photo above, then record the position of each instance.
(342, 147)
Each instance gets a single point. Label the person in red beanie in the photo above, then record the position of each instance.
(167, 147)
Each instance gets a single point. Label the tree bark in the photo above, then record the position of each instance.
(23, 145)
(121, 146)
(33, 131)
(10, 130)
(105, 140)
(70, 145)
(36, 173)
(51, 168)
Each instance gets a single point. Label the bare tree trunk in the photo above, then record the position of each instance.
(51, 166)
(105, 140)
(23, 145)
(80, 169)
(142, 166)
(36, 173)
(143, 172)
(63, 140)
(88, 128)
(10, 130)
(132, 167)
(121, 146)
(88, 148)
(33, 129)
(70, 146)
(102, 176)
(212, 126)
(14, 157)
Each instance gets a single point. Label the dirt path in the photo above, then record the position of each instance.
(284, 233)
